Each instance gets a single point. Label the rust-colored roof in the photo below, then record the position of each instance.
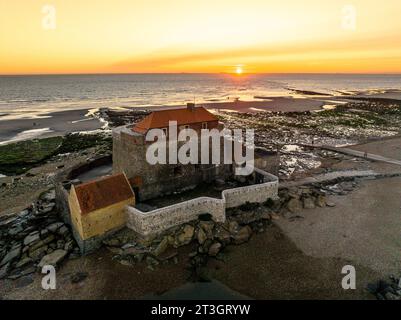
(103, 192)
(160, 119)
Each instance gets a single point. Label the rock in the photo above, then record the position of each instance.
(42, 243)
(23, 213)
(321, 201)
(233, 226)
(23, 262)
(38, 253)
(266, 216)
(15, 230)
(54, 226)
(391, 296)
(53, 259)
(242, 235)
(207, 227)
(4, 270)
(161, 247)
(186, 235)
(60, 244)
(69, 246)
(31, 238)
(294, 205)
(12, 255)
(112, 242)
(114, 250)
(201, 236)
(132, 251)
(214, 249)
(168, 255)
(63, 231)
(7, 220)
(273, 204)
(24, 281)
(151, 261)
(274, 216)
(330, 204)
(49, 196)
(223, 236)
(308, 203)
(46, 208)
(78, 277)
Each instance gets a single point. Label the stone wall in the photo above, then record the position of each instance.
(159, 220)
(156, 221)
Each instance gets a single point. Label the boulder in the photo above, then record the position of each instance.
(330, 204)
(207, 227)
(4, 270)
(233, 226)
(308, 203)
(69, 245)
(53, 259)
(12, 255)
(294, 205)
(242, 235)
(54, 226)
(42, 243)
(186, 235)
(214, 249)
(161, 247)
(49, 196)
(38, 253)
(223, 236)
(201, 236)
(23, 262)
(321, 201)
(31, 238)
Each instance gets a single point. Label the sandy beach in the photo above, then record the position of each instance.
(64, 122)
(50, 124)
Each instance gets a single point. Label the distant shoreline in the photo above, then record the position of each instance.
(58, 123)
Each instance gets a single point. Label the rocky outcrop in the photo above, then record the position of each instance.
(34, 237)
(386, 289)
(207, 238)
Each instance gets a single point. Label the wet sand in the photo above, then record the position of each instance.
(51, 124)
(279, 104)
(63, 122)
(269, 266)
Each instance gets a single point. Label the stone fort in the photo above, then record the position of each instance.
(95, 209)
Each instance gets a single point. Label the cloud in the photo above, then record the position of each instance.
(177, 58)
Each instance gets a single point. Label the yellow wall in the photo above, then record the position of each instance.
(99, 221)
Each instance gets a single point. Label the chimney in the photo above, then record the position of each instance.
(190, 106)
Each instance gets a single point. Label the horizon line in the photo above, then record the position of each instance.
(200, 73)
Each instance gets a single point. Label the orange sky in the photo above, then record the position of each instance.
(200, 36)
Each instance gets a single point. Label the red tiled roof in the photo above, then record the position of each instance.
(103, 192)
(160, 119)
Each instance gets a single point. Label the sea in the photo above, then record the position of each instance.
(31, 94)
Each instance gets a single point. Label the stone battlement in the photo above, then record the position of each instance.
(159, 220)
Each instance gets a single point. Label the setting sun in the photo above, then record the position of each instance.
(238, 70)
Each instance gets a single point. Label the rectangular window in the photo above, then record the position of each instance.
(204, 125)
